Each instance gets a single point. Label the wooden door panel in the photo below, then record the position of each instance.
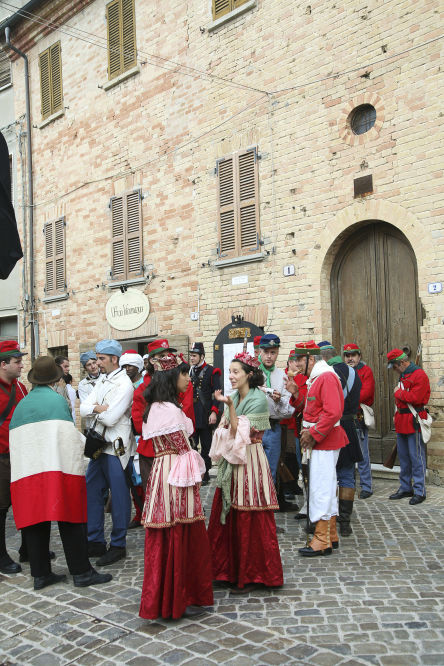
(375, 303)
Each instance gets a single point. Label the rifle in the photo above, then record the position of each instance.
(390, 461)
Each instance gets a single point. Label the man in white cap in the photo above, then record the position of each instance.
(110, 403)
(132, 362)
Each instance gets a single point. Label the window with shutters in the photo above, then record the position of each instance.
(222, 7)
(126, 236)
(50, 62)
(5, 70)
(55, 256)
(121, 21)
(238, 204)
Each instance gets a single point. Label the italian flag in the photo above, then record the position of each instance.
(47, 462)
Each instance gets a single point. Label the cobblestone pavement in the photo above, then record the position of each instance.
(378, 600)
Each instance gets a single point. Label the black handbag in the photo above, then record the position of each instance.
(95, 443)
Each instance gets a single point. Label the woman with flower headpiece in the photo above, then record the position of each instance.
(177, 552)
(242, 529)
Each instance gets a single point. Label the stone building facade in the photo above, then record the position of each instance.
(287, 81)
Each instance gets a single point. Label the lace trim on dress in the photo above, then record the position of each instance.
(165, 431)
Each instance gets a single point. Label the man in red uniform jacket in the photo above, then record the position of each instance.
(324, 437)
(300, 381)
(11, 392)
(156, 349)
(352, 356)
(413, 389)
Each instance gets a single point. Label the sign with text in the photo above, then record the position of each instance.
(239, 279)
(127, 311)
(435, 287)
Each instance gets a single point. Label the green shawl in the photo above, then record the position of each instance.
(255, 407)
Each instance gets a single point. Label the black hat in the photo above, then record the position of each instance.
(45, 371)
(197, 348)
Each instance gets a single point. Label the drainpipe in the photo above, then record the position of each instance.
(30, 190)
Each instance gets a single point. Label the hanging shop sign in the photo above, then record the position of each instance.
(127, 311)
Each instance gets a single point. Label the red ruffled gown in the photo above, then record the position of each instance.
(177, 551)
(246, 550)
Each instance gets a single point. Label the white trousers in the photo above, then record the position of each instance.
(323, 484)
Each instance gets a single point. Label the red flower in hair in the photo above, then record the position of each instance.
(247, 359)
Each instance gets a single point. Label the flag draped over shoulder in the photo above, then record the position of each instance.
(47, 463)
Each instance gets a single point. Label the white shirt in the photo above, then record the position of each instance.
(116, 391)
(72, 397)
(85, 388)
(282, 409)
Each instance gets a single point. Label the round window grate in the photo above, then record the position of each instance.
(363, 119)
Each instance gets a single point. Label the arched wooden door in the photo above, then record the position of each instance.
(375, 303)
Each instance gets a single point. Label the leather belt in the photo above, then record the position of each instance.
(406, 410)
(274, 422)
(349, 417)
(4, 455)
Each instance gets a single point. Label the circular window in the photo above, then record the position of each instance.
(363, 119)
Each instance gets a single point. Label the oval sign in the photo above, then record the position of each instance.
(127, 311)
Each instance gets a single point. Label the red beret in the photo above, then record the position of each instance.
(157, 346)
(395, 355)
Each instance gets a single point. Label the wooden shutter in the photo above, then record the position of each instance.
(222, 7)
(49, 256)
(113, 15)
(248, 200)
(238, 204)
(117, 239)
(5, 70)
(226, 207)
(133, 226)
(126, 235)
(128, 35)
(59, 254)
(55, 59)
(45, 83)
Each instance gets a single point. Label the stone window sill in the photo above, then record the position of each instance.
(56, 297)
(49, 119)
(234, 261)
(231, 15)
(122, 77)
(127, 283)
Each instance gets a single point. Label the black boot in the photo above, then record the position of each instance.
(91, 577)
(50, 579)
(7, 564)
(346, 497)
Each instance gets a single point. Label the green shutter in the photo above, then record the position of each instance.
(56, 78)
(128, 34)
(113, 14)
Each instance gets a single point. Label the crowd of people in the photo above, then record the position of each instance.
(302, 430)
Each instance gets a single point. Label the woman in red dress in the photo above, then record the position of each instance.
(177, 551)
(242, 528)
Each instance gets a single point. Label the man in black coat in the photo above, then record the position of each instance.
(353, 452)
(205, 380)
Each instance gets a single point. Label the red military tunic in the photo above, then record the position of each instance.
(5, 392)
(368, 385)
(417, 392)
(324, 407)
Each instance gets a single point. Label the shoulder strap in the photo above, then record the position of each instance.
(8, 408)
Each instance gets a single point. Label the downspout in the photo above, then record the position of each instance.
(30, 190)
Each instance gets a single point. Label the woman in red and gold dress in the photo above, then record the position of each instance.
(177, 552)
(242, 528)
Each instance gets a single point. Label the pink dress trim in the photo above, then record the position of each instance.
(233, 449)
(187, 470)
(165, 418)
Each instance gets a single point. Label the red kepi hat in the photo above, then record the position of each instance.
(257, 341)
(10, 348)
(157, 346)
(307, 349)
(351, 348)
(395, 355)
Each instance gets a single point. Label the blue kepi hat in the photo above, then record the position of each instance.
(87, 356)
(269, 341)
(110, 347)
